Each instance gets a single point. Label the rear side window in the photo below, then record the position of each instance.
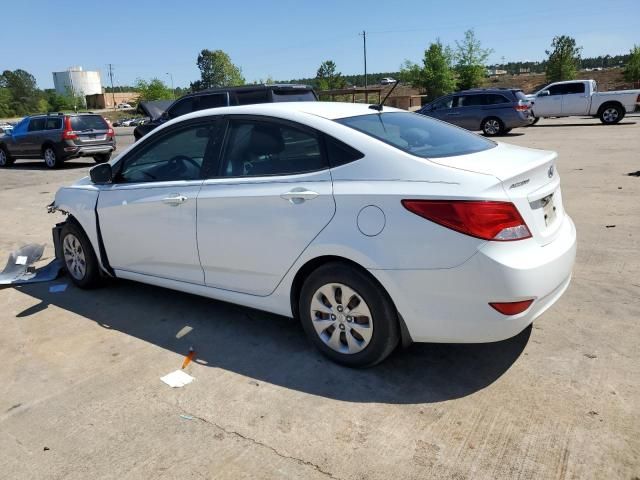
(339, 153)
(496, 99)
(471, 100)
(36, 124)
(212, 101)
(281, 95)
(183, 107)
(259, 148)
(418, 135)
(53, 124)
(577, 87)
(252, 96)
(88, 122)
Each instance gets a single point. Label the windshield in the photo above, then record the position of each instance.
(293, 96)
(88, 122)
(418, 135)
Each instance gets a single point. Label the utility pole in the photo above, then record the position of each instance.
(173, 90)
(113, 95)
(364, 44)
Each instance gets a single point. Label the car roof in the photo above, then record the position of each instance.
(328, 110)
(256, 87)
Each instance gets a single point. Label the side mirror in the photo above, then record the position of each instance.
(543, 93)
(101, 174)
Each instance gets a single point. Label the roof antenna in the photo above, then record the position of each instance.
(378, 106)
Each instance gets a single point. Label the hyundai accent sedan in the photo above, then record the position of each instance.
(374, 228)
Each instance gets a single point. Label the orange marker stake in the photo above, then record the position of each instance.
(188, 358)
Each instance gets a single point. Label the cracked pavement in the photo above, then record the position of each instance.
(80, 395)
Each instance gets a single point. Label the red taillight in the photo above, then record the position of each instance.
(487, 220)
(511, 308)
(522, 108)
(638, 99)
(68, 133)
(110, 132)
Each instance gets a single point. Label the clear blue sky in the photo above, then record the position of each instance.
(289, 39)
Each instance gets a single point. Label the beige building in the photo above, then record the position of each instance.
(106, 100)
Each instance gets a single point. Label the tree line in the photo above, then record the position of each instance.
(442, 69)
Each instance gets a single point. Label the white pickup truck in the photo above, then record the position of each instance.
(581, 97)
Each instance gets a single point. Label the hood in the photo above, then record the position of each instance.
(154, 109)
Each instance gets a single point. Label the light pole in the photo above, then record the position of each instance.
(173, 90)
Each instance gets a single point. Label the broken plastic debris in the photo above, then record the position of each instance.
(20, 270)
(610, 226)
(186, 417)
(177, 379)
(59, 288)
(188, 358)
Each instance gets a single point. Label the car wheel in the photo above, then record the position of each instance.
(611, 114)
(51, 159)
(79, 258)
(348, 316)
(104, 158)
(5, 158)
(492, 126)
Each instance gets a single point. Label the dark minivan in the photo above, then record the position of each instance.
(226, 96)
(56, 137)
(495, 111)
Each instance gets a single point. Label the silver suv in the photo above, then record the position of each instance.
(495, 111)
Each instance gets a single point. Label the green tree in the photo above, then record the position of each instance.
(564, 59)
(216, 70)
(470, 61)
(23, 90)
(632, 70)
(154, 89)
(436, 76)
(327, 78)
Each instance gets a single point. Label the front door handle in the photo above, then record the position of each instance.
(299, 195)
(174, 199)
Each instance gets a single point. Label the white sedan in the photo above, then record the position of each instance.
(374, 228)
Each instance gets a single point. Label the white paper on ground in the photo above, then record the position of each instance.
(21, 260)
(58, 288)
(177, 379)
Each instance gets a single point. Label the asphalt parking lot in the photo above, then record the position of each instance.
(80, 395)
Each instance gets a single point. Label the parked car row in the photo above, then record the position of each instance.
(130, 122)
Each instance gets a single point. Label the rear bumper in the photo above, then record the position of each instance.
(452, 305)
(70, 151)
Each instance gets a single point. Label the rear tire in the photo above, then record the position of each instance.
(5, 158)
(328, 296)
(492, 127)
(79, 258)
(104, 158)
(51, 159)
(611, 114)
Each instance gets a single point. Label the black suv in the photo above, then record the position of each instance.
(226, 96)
(56, 137)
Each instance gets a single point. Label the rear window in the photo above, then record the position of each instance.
(88, 122)
(293, 96)
(418, 135)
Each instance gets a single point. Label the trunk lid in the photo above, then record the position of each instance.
(90, 129)
(529, 179)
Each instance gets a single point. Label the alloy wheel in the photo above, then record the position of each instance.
(341, 318)
(74, 257)
(50, 157)
(610, 115)
(491, 127)
(3, 158)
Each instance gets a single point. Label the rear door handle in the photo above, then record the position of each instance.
(299, 195)
(453, 113)
(174, 199)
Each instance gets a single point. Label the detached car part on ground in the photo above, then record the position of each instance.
(58, 137)
(373, 228)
